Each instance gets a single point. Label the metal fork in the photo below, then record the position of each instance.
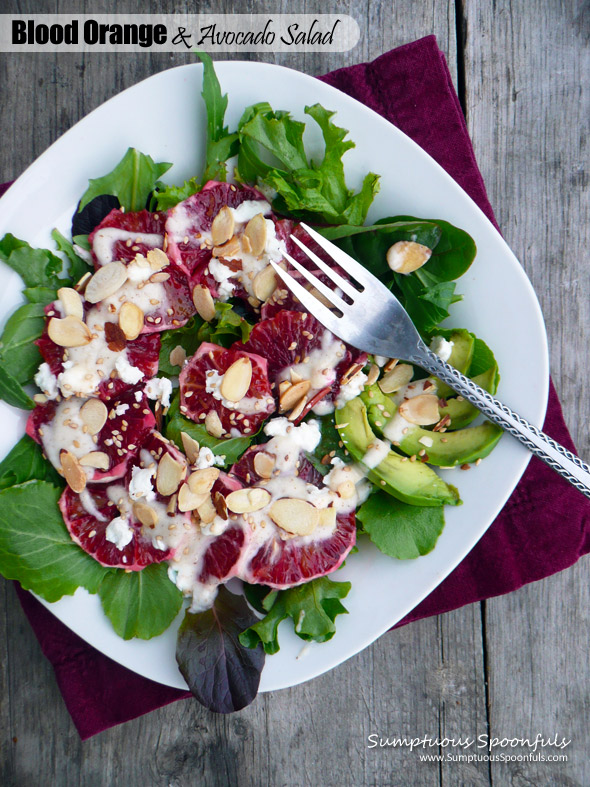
(372, 319)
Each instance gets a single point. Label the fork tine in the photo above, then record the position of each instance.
(328, 293)
(328, 319)
(344, 285)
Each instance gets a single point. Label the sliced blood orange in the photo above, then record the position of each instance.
(221, 559)
(204, 367)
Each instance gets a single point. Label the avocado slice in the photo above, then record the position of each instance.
(460, 358)
(411, 482)
(444, 449)
(462, 413)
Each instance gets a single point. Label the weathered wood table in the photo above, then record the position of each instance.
(513, 666)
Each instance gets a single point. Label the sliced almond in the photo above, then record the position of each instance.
(220, 505)
(295, 516)
(222, 227)
(293, 395)
(395, 379)
(295, 377)
(203, 301)
(189, 501)
(390, 364)
(40, 398)
(170, 474)
(265, 283)
(69, 332)
(157, 259)
(191, 447)
(284, 386)
(256, 233)
(80, 285)
(171, 507)
(158, 278)
(94, 415)
(97, 459)
(346, 490)
(421, 410)
(131, 320)
(201, 481)
(207, 511)
(73, 471)
(213, 424)
(373, 374)
(229, 249)
(298, 409)
(406, 256)
(145, 514)
(327, 517)
(178, 356)
(236, 380)
(245, 501)
(246, 246)
(264, 464)
(71, 302)
(105, 282)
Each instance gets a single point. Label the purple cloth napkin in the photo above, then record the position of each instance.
(530, 539)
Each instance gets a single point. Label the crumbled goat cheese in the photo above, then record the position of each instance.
(129, 374)
(207, 458)
(441, 347)
(46, 381)
(351, 389)
(141, 483)
(119, 532)
(159, 388)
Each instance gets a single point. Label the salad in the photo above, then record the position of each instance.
(193, 425)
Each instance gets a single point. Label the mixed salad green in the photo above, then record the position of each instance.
(383, 422)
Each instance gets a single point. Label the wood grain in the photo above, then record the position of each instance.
(520, 667)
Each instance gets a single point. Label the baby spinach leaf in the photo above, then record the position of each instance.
(18, 354)
(185, 337)
(222, 674)
(36, 267)
(140, 603)
(427, 306)
(43, 295)
(36, 548)
(482, 360)
(12, 392)
(329, 442)
(25, 462)
(313, 608)
(398, 529)
(77, 266)
(131, 181)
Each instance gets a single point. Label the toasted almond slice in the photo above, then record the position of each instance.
(159, 277)
(73, 471)
(213, 424)
(246, 245)
(157, 259)
(245, 501)
(256, 233)
(293, 395)
(327, 517)
(264, 464)
(131, 320)
(295, 516)
(298, 409)
(390, 364)
(265, 283)
(69, 332)
(373, 374)
(236, 380)
(295, 377)
(145, 514)
(406, 256)
(220, 505)
(71, 302)
(346, 490)
(222, 227)
(170, 474)
(94, 415)
(203, 301)
(97, 459)
(191, 447)
(400, 375)
(229, 249)
(80, 285)
(40, 398)
(178, 356)
(421, 409)
(189, 501)
(284, 386)
(105, 282)
(201, 481)
(207, 511)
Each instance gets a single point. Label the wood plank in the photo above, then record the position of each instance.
(530, 63)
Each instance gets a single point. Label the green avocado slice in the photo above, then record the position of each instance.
(460, 358)
(461, 412)
(411, 482)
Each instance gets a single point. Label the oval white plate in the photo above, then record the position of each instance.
(164, 116)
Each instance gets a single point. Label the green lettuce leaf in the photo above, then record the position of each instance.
(25, 462)
(36, 267)
(12, 392)
(43, 295)
(227, 327)
(77, 267)
(140, 603)
(36, 548)
(313, 608)
(18, 354)
(132, 181)
(172, 195)
(398, 529)
(186, 337)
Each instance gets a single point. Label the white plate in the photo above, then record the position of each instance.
(164, 116)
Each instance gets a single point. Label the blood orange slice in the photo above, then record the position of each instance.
(221, 558)
(200, 390)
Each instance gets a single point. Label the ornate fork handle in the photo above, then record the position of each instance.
(570, 466)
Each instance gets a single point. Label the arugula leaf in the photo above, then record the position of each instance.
(18, 354)
(36, 548)
(36, 267)
(12, 392)
(82, 241)
(140, 603)
(398, 529)
(131, 181)
(227, 327)
(77, 266)
(185, 337)
(231, 448)
(313, 608)
(25, 462)
(221, 674)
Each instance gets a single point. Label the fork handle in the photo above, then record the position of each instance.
(568, 465)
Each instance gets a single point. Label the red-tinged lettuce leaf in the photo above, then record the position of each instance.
(220, 672)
